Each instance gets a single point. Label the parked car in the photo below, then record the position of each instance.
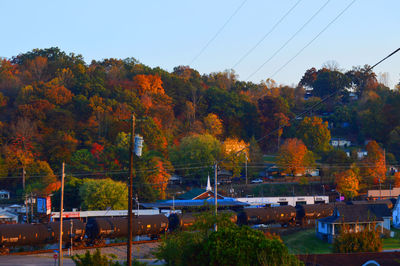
(255, 181)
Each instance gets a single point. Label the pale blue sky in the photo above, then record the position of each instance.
(171, 33)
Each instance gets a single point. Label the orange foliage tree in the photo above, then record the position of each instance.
(347, 183)
(235, 152)
(396, 178)
(294, 157)
(159, 179)
(374, 164)
(148, 84)
(213, 125)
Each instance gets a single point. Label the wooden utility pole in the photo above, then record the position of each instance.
(23, 177)
(60, 258)
(215, 193)
(130, 194)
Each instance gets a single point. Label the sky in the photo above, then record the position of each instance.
(212, 36)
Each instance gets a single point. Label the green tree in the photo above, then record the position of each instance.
(101, 194)
(315, 134)
(196, 150)
(230, 245)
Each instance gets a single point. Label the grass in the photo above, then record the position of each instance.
(306, 242)
(392, 243)
(269, 158)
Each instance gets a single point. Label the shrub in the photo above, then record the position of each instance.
(364, 241)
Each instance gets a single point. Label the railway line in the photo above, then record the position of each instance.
(43, 251)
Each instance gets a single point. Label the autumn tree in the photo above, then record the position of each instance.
(347, 183)
(294, 157)
(213, 125)
(374, 164)
(315, 134)
(396, 178)
(235, 153)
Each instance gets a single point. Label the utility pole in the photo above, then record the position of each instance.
(31, 208)
(130, 194)
(23, 177)
(60, 258)
(380, 185)
(26, 208)
(215, 194)
(246, 167)
(71, 236)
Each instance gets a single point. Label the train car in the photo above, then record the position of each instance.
(78, 231)
(283, 215)
(307, 214)
(98, 229)
(182, 221)
(13, 235)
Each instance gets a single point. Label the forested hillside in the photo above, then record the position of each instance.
(57, 108)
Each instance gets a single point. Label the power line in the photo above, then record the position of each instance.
(218, 32)
(308, 44)
(266, 35)
(291, 38)
(309, 109)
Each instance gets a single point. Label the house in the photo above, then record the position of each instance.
(4, 194)
(396, 213)
(362, 258)
(383, 193)
(8, 217)
(360, 154)
(199, 193)
(340, 143)
(355, 217)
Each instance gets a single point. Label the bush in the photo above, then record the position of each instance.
(364, 241)
(95, 259)
(230, 245)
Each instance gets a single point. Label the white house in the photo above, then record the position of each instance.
(340, 143)
(396, 213)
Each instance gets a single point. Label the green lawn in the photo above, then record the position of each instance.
(269, 158)
(392, 243)
(306, 242)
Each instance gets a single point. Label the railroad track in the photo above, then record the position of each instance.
(33, 252)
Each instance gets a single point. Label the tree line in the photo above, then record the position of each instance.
(55, 107)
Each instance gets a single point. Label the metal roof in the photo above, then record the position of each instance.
(194, 203)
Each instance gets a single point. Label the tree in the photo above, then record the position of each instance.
(294, 157)
(374, 164)
(230, 245)
(235, 152)
(101, 194)
(315, 134)
(347, 183)
(213, 125)
(196, 150)
(396, 178)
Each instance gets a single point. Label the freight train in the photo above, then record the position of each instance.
(94, 232)
(97, 230)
